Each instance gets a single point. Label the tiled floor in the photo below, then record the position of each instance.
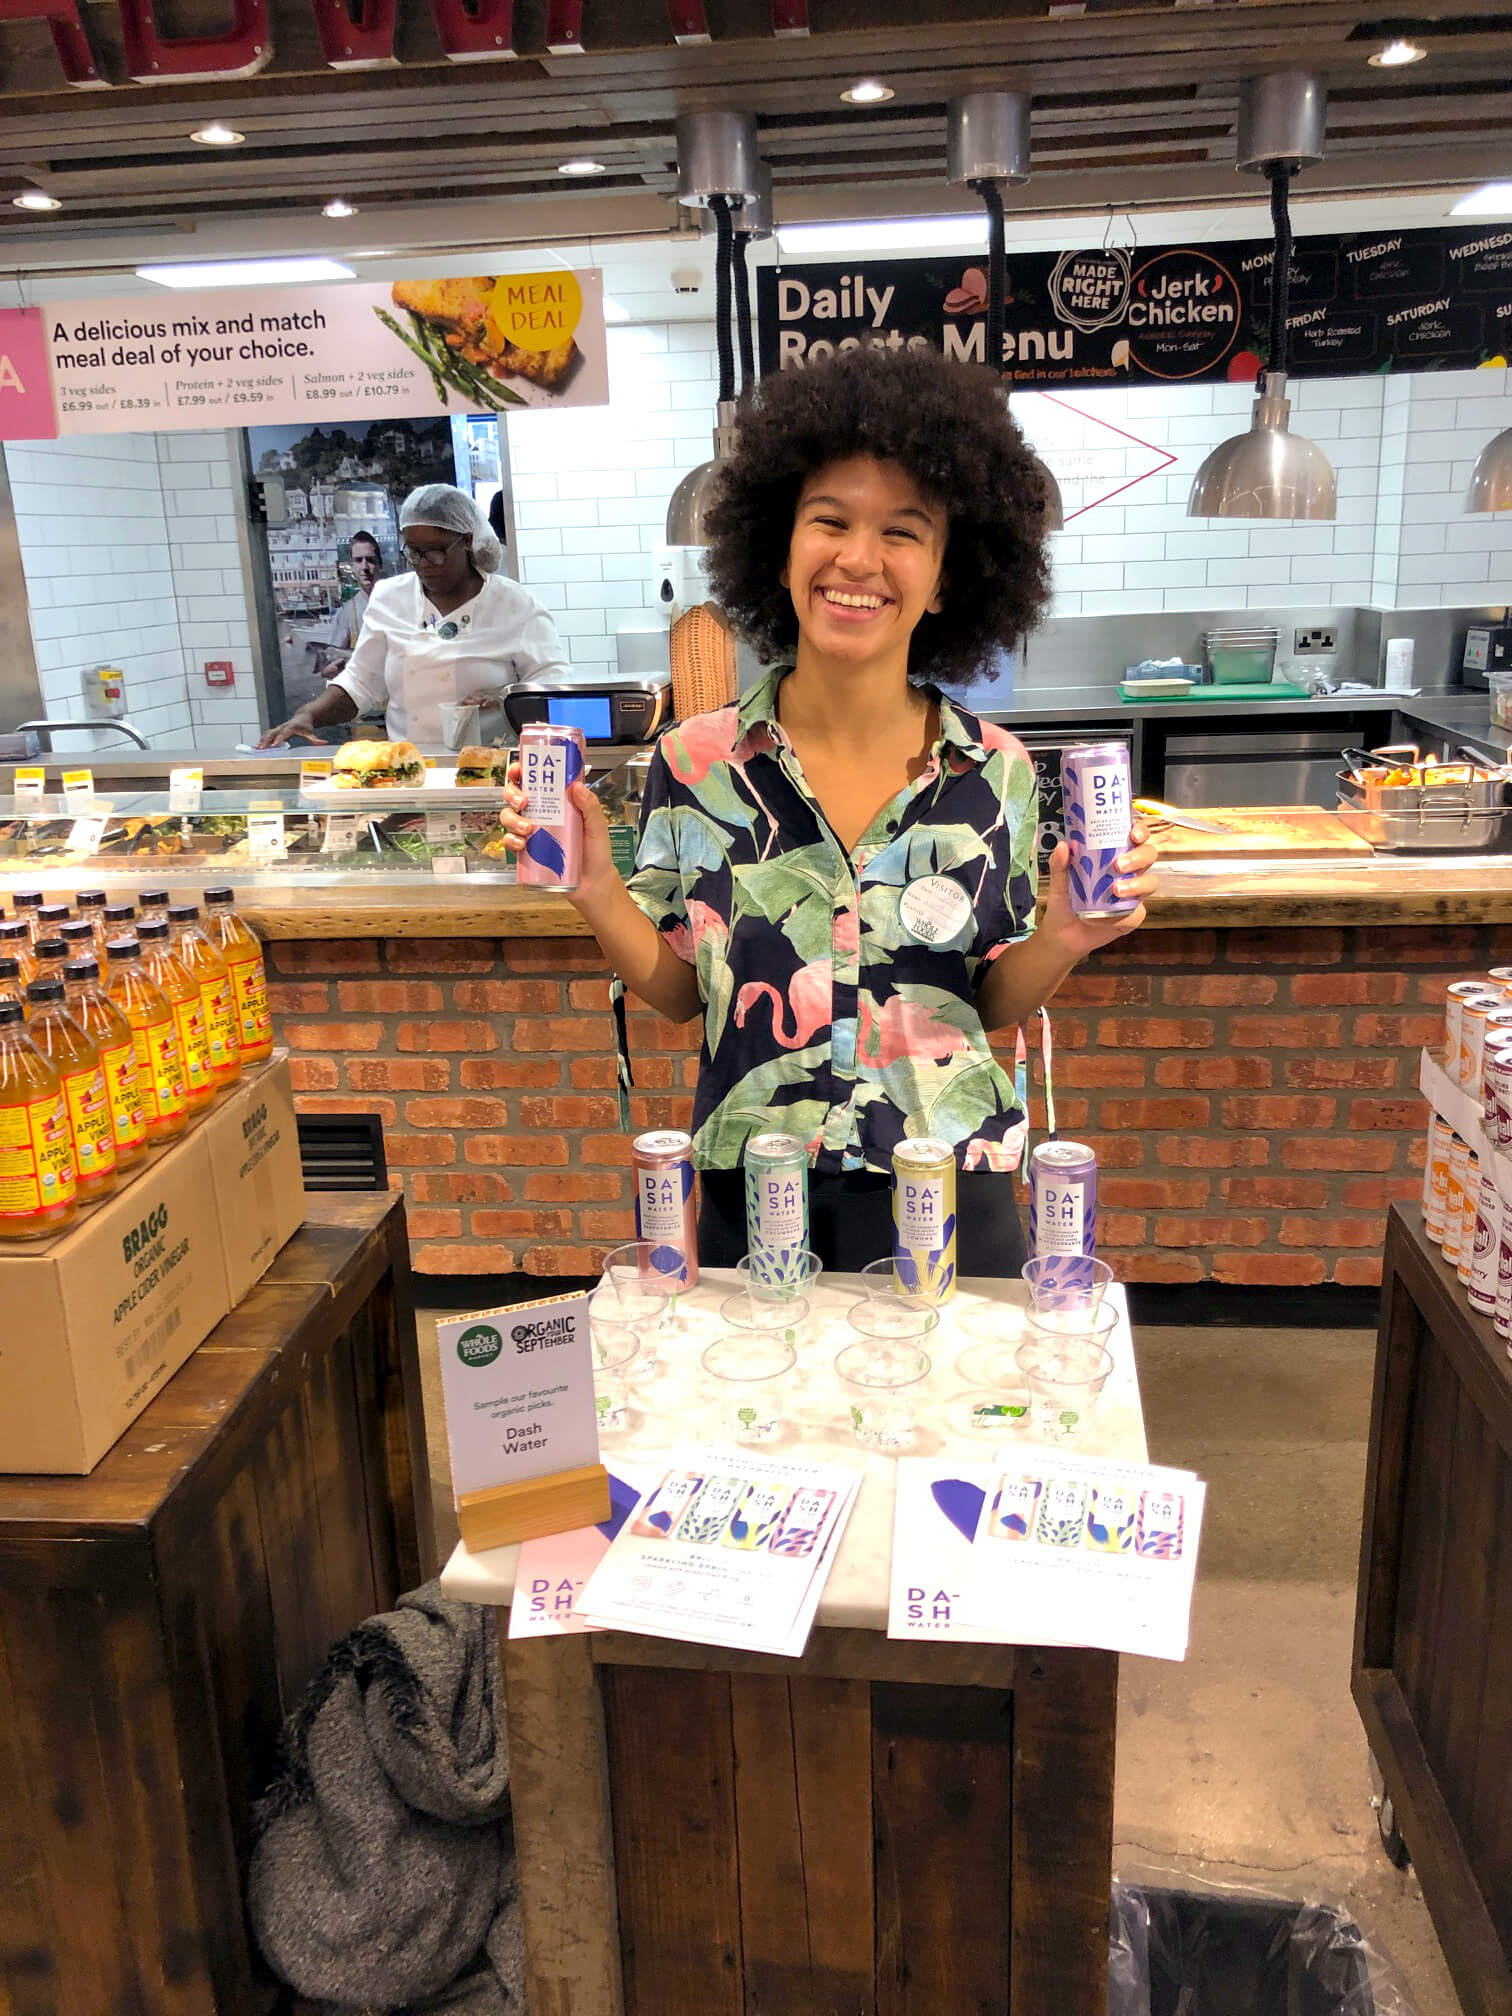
(1247, 1764)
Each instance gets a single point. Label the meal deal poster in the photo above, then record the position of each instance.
(1436, 300)
(255, 356)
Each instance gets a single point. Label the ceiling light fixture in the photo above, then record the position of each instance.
(36, 199)
(245, 272)
(868, 91)
(339, 207)
(1270, 472)
(580, 167)
(966, 232)
(1491, 478)
(1492, 199)
(217, 134)
(1396, 54)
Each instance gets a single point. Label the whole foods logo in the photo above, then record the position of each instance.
(1183, 314)
(479, 1345)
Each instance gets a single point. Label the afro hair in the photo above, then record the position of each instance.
(947, 425)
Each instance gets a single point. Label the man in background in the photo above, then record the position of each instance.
(365, 561)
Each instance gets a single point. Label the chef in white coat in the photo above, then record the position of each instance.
(451, 632)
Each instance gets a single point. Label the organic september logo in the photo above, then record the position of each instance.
(480, 1345)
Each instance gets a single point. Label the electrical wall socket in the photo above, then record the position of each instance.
(1306, 642)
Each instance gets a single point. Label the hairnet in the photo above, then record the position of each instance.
(448, 509)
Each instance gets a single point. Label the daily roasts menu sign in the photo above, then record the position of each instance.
(255, 356)
(1401, 301)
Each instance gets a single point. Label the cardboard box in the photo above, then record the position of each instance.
(253, 1138)
(98, 1319)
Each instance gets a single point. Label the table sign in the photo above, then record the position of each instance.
(78, 784)
(85, 835)
(520, 1421)
(443, 828)
(265, 836)
(314, 773)
(186, 781)
(340, 836)
(30, 781)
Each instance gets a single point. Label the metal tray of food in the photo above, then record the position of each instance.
(1431, 828)
(1397, 779)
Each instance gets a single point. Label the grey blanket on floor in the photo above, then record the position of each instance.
(384, 1878)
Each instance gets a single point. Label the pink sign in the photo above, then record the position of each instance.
(26, 401)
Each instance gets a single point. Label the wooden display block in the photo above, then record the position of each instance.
(533, 1508)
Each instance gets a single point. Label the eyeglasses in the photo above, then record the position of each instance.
(428, 556)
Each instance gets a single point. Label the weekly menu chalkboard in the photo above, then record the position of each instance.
(1437, 300)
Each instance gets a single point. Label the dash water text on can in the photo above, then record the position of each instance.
(1436, 1189)
(1467, 1218)
(777, 1219)
(665, 1220)
(1485, 1260)
(552, 760)
(1063, 1210)
(924, 1217)
(1454, 1199)
(1460, 991)
(1097, 804)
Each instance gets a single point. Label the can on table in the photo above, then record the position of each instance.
(924, 1217)
(1502, 975)
(1498, 1100)
(1454, 1199)
(1436, 1189)
(1473, 1013)
(552, 760)
(1097, 804)
(1503, 1316)
(1467, 1218)
(777, 1217)
(665, 1220)
(1485, 1258)
(1063, 1210)
(1460, 991)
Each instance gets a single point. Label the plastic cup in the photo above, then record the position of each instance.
(616, 1346)
(797, 1275)
(884, 1318)
(881, 1277)
(639, 1296)
(1074, 1325)
(882, 1384)
(748, 1373)
(748, 1311)
(1065, 1377)
(1066, 1281)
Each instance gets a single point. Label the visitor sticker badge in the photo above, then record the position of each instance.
(934, 909)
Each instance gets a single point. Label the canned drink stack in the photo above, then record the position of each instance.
(924, 1217)
(665, 1220)
(1097, 804)
(1498, 1095)
(552, 760)
(1503, 1315)
(1063, 1210)
(1460, 991)
(1486, 1257)
(1454, 1199)
(1436, 1188)
(776, 1200)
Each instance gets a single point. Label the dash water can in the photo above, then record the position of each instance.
(552, 760)
(924, 1217)
(1063, 1210)
(1097, 805)
(777, 1217)
(665, 1219)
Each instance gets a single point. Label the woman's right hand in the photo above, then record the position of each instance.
(296, 728)
(599, 875)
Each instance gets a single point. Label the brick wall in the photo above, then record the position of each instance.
(1251, 1094)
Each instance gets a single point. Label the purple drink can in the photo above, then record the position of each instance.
(552, 760)
(1063, 1210)
(1097, 805)
(665, 1220)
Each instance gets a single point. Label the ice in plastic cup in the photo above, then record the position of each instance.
(1065, 1377)
(882, 1384)
(748, 1373)
(616, 1345)
(1066, 1281)
(797, 1276)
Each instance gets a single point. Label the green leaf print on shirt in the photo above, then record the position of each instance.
(949, 1101)
(796, 893)
(749, 1108)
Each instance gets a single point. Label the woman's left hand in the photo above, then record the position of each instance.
(1136, 877)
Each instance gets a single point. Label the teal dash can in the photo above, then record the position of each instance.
(777, 1212)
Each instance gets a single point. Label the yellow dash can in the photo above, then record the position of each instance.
(924, 1218)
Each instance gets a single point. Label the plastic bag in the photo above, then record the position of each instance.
(1231, 1952)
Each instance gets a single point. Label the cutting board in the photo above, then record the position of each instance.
(1298, 832)
(1272, 689)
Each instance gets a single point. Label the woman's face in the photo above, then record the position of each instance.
(865, 559)
(442, 559)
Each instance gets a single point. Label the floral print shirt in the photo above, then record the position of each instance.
(827, 1012)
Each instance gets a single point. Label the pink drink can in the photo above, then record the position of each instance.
(665, 1219)
(1097, 805)
(552, 760)
(1486, 1257)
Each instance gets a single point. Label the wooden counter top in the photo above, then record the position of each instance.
(1413, 890)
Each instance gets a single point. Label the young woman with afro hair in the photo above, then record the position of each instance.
(838, 871)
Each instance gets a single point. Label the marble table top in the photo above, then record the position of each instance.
(972, 1360)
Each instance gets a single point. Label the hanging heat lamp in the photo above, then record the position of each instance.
(718, 171)
(987, 151)
(1269, 472)
(1491, 478)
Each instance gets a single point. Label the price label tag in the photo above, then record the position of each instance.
(448, 864)
(443, 828)
(30, 782)
(265, 836)
(314, 773)
(340, 835)
(84, 835)
(186, 781)
(78, 784)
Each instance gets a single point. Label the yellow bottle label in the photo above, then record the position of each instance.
(123, 1086)
(89, 1114)
(160, 1070)
(189, 1019)
(36, 1157)
(222, 1023)
(251, 985)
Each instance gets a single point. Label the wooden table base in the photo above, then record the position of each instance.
(876, 1829)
